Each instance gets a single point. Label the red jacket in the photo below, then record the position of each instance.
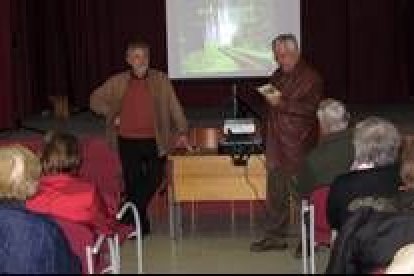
(65, 197)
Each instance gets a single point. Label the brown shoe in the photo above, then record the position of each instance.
(268, 244)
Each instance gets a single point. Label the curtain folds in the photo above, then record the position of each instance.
(364, 50)
(7, 115)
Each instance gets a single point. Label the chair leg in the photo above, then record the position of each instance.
(304, 231)
(89, 259)
(114, 266)
(138, 231)
(308, 237)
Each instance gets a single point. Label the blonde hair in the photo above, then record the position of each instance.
(19, 172)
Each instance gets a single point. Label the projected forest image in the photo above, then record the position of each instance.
(230, 34)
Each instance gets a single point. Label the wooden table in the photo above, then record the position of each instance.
(212, 177)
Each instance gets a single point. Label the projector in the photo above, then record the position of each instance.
(239, 126)
(240, 140)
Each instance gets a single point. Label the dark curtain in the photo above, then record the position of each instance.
(62, 48)
(363, 49)
(7, 116)
(324, 42)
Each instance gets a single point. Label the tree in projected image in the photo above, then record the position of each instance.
(236, 35)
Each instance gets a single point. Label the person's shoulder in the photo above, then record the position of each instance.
(84, 184)
(28, 217)
(155, 73)
(315, 153)
(310, 70)
(119, 76)
(344, 180)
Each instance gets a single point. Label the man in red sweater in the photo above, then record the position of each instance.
(141, 109)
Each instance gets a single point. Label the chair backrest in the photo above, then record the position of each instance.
(319, 198)
(102, 167)
(32, 244)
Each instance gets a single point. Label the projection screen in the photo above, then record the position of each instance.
(226, 38)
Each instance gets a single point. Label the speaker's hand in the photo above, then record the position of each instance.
(182, 142)
(273, 98)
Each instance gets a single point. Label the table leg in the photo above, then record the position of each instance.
(193, 225)
(178, 221)
(251, 209)
(172, 213)
(233, 217)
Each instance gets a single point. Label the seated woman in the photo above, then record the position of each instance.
(29, 243)
(375, 171)
(61, 193)
(70, 200)
(378, 227)
(369, 239)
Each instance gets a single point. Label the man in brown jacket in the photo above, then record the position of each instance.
(291, 130)
(141, 111)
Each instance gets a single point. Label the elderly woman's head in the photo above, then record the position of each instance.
(376, 141)
(332, 116)
(19, 172)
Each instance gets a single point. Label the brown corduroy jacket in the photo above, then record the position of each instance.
(107, 99)
(292, 126)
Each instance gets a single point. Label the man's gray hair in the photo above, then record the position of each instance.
(289, 39)
(332, 115)
(376, 141)
(138, 43)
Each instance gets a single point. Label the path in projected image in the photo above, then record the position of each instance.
(217, 58)
(245, 59)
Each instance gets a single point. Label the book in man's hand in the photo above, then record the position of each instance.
(268, 89)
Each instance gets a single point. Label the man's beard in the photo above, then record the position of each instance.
(140, 72)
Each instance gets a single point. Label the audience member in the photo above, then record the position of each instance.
(375, 170)
(382, 233)
(74, 203)
(369, 239)
(29, 243)
(333, 155)
(62, 193)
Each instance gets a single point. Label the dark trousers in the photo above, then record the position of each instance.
(279, 189)
(143, 171)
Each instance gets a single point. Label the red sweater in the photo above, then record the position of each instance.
(137, 112)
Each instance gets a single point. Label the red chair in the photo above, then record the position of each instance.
(315, 228)
(100, 166)
(323, 232)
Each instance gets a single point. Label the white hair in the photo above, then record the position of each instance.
(376, 142)
(289, 40)
(332, 115)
